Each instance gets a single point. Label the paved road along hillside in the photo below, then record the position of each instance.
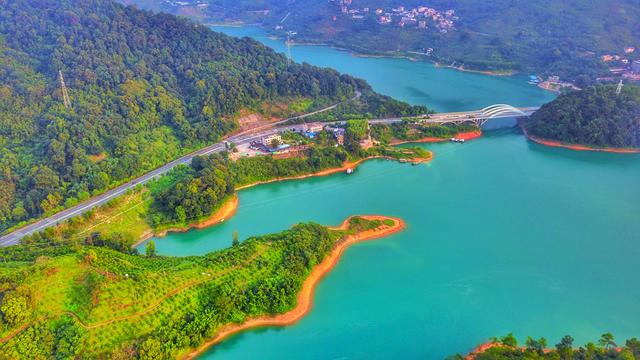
(240, 139)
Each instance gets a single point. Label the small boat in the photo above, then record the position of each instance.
(349, 171)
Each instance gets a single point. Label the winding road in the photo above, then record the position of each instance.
(245, 137)
(239, 139)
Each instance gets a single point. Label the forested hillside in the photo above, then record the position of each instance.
(144, 88)
(550, 37)
(596, 116)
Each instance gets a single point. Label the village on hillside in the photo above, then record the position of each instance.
(422, 17)
(623, 65)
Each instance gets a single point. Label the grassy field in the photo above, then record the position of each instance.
(124, 215)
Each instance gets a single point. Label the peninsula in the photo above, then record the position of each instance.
(99, 302)
(600, 118)
(305, 297)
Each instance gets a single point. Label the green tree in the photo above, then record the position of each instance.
(181, 214)
(565, 347)
(235, 241)
(536, 346)
(15, 308)
(150, 249)
(634, 345)
(509, 340)
(151, 349)
(607, 341)
(274, 143)
(359, 128)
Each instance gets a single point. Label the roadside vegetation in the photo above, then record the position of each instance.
(370, 105)
(143, 89)
(190, 194)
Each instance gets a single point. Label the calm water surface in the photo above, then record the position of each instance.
(503, 236)
(416, 82)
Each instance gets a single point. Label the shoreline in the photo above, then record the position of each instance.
(374, 55)
(559, 144)
(227, 210)
(331, 171)
(230, 207)
(483, 72)
(305, 297)
(468, 135)
(481, 349)
(494, 344)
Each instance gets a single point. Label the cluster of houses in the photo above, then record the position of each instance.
(422, 17)
(198, 3)
(623, 66)
(275, 144)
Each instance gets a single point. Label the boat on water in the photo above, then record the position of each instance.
(534, 80)
(349, 171)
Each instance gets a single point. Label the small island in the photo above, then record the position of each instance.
(599, 118)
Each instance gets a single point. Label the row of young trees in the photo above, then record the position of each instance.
(264, 277)
(291, 257)
(507, 348)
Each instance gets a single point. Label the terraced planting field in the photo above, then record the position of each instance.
(97, 302)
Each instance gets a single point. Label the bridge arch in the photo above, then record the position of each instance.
(499, 110)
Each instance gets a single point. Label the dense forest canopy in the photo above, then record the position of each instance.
(596, 116)
(144, 88)
(551, 37)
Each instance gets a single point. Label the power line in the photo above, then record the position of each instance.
(290, 35)
(65, 94)
(619, 88)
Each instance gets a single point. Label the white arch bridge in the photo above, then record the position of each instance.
(479, 117)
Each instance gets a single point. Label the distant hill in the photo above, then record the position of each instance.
(551, 37)
(144, 89)
(596, 116)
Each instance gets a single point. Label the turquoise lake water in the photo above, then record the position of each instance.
(416, 82)
(503, 235)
